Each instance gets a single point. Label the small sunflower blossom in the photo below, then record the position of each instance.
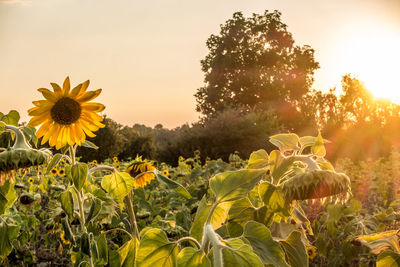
(181, 158)
(54, 172)
(95, 162)
(31, 180)
(115, 159)
(165, 172)
(66, 116)
(311, 252)
(118, 167)
(138, 169)
(61, 172)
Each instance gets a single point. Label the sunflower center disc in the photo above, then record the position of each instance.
(66, 111)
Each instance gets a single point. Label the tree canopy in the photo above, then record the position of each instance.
(254, 63)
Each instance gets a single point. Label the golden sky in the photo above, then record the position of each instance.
(145, 55)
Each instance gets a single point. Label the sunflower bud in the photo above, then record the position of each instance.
(316, 184)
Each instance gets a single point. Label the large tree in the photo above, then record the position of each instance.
(254, 63)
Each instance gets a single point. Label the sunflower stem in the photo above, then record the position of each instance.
(131, 212)
(20, 140)
(72, 154)
(81, 211)
(102, 168)
(79, 195)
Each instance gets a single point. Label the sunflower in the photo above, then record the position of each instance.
(54, 172)
(115, 159)
(138, 169)
(311, 252)
(65, 116)
(181, 158)
(61, 172)
(95, 162)
(165, 172)
(30, 180)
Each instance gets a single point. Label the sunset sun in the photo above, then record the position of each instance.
(374, 56)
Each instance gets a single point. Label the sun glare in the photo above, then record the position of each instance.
(374, 56)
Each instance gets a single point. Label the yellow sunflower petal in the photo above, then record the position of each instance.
(70, 140)
(62, 138)
(42, 103)
(32, 109)
(59, 138)
(43, 129)
(84, 87)
(56, 87)
(92, 122)
(88, 124)
(88, 96)
(47, 135)
(66, 86)
(37, 120)
(37, 111)
(54, 136)
(79, 135)
(92, 115)
(85, 129)
(128, 170)
(74, 93)
(97, 107)
(49, 95)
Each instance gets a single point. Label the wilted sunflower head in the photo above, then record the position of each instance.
(65, 115)
(141, 171)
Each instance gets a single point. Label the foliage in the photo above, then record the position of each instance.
(223, 218)
(253, 63)
(247, 132)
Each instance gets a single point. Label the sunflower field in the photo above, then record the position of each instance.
(286, 207)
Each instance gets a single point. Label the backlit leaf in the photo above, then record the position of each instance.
(232, 185)
(258, 159)
(285, 141)
(295, 250)
(264, 245)
(156, 250)
(118, 184)
(190, 257)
